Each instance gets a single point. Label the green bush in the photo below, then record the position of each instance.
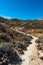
(37, 41)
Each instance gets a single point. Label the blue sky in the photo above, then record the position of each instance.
(22, 9)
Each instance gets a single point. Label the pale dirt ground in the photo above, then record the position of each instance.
(35, 60)
(30, 56)
(29, 53)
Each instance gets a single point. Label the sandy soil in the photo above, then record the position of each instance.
(30, 53)
(30, 56)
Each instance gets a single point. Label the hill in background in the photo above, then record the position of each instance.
(34, 27)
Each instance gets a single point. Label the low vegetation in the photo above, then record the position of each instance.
(12, 42)
(40, 47)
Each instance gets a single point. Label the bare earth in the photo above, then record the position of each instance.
(30, 56)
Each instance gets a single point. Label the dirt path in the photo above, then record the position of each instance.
(29, 53)
(30, 56)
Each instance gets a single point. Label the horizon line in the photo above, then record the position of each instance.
(7, 17)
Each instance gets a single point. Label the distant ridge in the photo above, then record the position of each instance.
(40, 19)
(17, 19)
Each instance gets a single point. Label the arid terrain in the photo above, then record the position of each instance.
(21, 42)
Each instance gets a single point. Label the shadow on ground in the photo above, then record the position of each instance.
(9, 57)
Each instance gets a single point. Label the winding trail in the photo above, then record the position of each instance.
(30, 52)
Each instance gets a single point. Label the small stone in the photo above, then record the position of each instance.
(41, 55)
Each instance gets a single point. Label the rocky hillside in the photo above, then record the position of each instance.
(34, 27)
(15, 42)
(8, 29)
